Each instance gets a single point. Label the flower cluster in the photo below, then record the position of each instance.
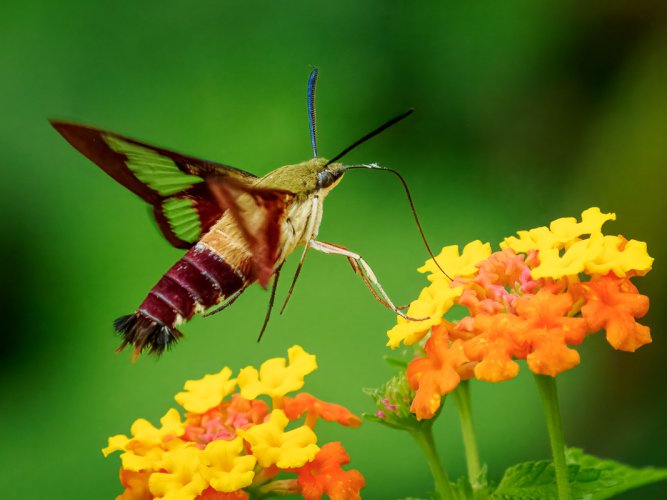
(235, 445)
(543, 291)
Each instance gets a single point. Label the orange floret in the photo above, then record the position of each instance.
(613, 304)
(324, 475)
(550, 330)
(436, 374)
(211, 494)
(316, 408)
(501, 337)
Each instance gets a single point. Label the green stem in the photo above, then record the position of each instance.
(549, 395)
(424, 438)
(462, 399)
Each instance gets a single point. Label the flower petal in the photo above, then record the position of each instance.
(203, 394)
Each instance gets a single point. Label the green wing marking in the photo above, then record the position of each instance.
(156, 171)
(183, 218)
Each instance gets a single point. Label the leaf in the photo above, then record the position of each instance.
(590, 478)
(606, 478)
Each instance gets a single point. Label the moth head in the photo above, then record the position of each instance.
(330, 175)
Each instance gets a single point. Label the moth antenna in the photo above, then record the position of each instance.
(370, 135)
(271, 300)
(375, 166)
(312, 86)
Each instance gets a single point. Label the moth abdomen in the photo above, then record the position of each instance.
(199, 280)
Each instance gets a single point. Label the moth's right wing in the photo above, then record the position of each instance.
(176, 185)
(188, 194)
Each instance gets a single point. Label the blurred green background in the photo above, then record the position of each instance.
(525, 111)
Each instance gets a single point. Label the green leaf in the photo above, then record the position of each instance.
(590, 478)
(606, 478)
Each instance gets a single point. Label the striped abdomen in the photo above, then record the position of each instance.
(200, 279)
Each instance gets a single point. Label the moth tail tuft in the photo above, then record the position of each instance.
(145, 334)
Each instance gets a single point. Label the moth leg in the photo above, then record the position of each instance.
(276, 276)
(357, 270)
(230, 300)
(364, 271)
(310, 233)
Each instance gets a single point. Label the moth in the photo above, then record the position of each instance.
(238, 228)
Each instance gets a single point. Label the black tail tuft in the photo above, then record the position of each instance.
(145, 334)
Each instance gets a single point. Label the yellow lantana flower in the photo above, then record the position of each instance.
(620, 257)
(433, 302)
(567, 230)
(561, 233)
(272, 445)
(456, 264)
(206, 393)
(147, 443)
(225, 467)
(436, 299)
(182, 479)
(572, 262)
(275, 377)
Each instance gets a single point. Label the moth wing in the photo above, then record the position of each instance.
(259, 213)
(176, 185)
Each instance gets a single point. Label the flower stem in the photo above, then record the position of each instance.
(549, 395)
(462, 399)
(424, 437)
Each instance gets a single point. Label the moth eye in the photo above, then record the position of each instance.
(327, 177)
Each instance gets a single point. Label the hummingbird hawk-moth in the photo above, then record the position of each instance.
(238, 227)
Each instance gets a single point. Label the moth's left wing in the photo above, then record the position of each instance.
(259, 213)
(178, 186)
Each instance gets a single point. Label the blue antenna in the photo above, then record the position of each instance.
(312, 84)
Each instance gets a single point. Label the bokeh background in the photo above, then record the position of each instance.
(525, 111)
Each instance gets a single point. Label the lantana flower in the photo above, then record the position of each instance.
(315, 408)
(276, 377)
(325, 475)
(231, 444)
(543, 292)
(272, 444)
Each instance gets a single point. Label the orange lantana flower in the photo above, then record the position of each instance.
(236, 439)
(324, 475)
(437, 373)
(315, 408)
(550, 331)
(613, 304)
(501, 337)
(542, 293)
(211, 494)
